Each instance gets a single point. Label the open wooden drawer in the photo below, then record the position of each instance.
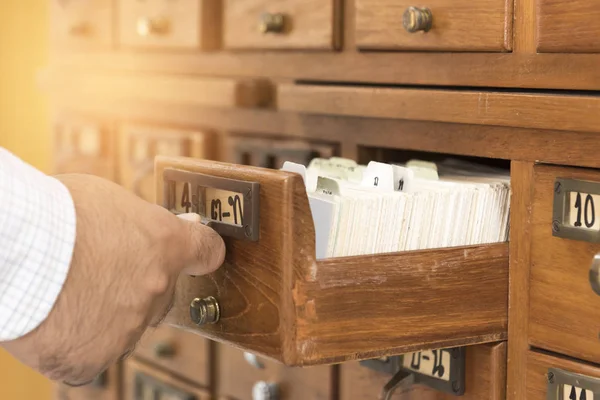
(277, 300)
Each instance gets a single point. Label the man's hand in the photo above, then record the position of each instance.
(127, 258)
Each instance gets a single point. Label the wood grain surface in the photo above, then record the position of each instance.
(522, 186)
(485, 378)
(401, 302)
(309, 24)
(542, 111)
(563, 309)
(458, 25)
(538, 364)
(568, 27)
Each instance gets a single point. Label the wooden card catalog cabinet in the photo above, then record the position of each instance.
(564, 306)
(84, 147)
(139, 145)
(273, 298)
(272, 153)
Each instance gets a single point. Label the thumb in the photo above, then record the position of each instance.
(205, 249)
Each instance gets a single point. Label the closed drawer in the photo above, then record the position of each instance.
(183, 24)
(139, 144)
(240, 374)
(568, 27)
(564, 309)
(145, 382)
(107, 386)
(484, 378)
(84, 146)
(183, 353)
(272, 153)
(439, 25)
(557, 378)
(290, 24)
(277, 300)
(81, 25)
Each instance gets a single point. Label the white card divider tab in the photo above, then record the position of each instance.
(424, 169)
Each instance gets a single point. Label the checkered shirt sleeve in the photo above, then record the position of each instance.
(37, 237)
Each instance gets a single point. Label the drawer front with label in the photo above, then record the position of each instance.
(242, 376)
(440, 25)
(82, 25)
(568, 26)
(183, 353)
(106, 386)
(145, 383)
(272, 153)
(139, 144)
(184, 24)
(84, 146)
(556, 378)
(564, 314)
(290, 24)
(483, 376)
(272, 297)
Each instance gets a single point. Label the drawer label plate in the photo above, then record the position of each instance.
(576, 210)
(564, 385)
(229, 206)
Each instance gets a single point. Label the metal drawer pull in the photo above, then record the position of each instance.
(265, 391)
(253, 360)
(417, 19)
(594, 274)
(271, 23)
(152, 26)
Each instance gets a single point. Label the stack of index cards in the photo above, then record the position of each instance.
(382, 208)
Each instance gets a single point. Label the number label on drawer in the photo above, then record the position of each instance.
(229, 206)
(564, 385)
(574, 210)
(442, 369)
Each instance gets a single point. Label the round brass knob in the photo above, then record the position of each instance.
(164, 350)
(79, 29)
(265, 391)
(417, 19)
(271, 23)
(205, 311)
(152, 26)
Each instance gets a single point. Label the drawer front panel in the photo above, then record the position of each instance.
(184, 24)
(81, 25)
(290, 24)
(105, 387)
(143, 382)
(183, 353)
(240, 374)
(546, 373)
(568, 26)
(485, 369)
(564, 309)
(441, 25)
(139, 144)
(84, 146)
(272, 153)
